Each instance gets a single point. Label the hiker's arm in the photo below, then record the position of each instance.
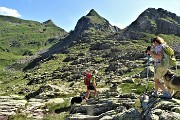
(157, 56)
(94, 83)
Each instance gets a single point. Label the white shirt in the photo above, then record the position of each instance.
(158, 49)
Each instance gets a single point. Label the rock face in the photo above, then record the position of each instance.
(49, 23)
(95, 21)
(159, 109)
(110, 104)
(126, 107)
(33, 108)
(154, 21)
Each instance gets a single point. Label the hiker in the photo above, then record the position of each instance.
(160, 70)
(90, 83)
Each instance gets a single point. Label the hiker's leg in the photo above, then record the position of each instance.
(169, 89)
(174, 92)
(95, 93)
(87, 94)
(166, 94)
(156, 84)
(160, 71)
(159, 85)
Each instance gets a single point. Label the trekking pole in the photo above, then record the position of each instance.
(147, 72)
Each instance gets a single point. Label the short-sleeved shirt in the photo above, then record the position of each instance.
(158, 49)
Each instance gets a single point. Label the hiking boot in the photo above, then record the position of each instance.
(166, 95)
(154, 94)
(86, 99)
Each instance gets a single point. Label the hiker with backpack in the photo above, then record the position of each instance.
(160, 66)
(89, 81)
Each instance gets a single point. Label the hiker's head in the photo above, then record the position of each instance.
(95, 71)
(87, 71)
(158, 40)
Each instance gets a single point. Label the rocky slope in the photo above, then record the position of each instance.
(153, 21)
(86, 26)
(91, 24)
(111, 104)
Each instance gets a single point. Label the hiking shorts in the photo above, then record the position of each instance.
(160, 71)
(90, 87)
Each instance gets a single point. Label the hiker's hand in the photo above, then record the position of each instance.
(149, 52)
(148, 49)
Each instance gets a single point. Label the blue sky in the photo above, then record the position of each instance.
(66, 13)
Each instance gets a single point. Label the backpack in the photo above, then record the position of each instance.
(88, 79)
(168, 56)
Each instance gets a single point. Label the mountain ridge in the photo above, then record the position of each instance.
(94, 24)
(154, 21)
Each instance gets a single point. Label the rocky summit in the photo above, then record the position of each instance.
(154, 21)
(94, 21)
(40, 81)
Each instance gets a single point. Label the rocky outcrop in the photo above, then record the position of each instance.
(94, 21)
(108, 105)
(126, 107)
(153, 21)
(49, 23)
(159, 109)
(33, 108)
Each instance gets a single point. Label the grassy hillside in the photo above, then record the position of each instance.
(118, 58)
(24, 37)
(114, 59)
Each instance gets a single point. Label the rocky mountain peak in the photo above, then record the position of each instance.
(154, 21)
(49, 23)
(92, 13)
(93, 21)
(152, 12)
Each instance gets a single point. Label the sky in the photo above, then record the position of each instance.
(66, 13)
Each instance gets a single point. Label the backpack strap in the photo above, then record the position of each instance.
(165, 59)
(91, 79)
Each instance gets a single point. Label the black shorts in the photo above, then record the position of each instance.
(90, 87)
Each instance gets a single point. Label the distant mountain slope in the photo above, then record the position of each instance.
(154, 21)
(86, 28)
(91, 24)
(21, 36)
(93, 27)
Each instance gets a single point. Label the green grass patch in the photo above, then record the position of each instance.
(127, 88)
(54, 106)
(134, 71)
(137, 105)
(7, 58)
(54, 116)
(12, 83)
(19, 116)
